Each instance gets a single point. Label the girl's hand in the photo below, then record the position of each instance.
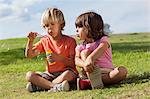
(88, 66)
(32, 35)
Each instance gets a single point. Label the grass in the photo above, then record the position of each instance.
(130, 50)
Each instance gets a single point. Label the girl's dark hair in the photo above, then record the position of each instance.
(93, 22)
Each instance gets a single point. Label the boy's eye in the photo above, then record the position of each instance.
(52, 23)
(46, 25)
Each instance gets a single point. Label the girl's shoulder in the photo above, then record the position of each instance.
(103, 39)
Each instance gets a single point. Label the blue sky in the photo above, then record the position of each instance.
(18, 17)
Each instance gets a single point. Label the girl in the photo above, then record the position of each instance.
(60, 51)
(95, 50)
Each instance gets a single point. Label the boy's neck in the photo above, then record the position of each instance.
(57, 38)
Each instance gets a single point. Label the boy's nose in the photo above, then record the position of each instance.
(49, 28)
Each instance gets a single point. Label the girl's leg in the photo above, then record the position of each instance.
(66, 75)
(84, 54)
(115, 76)
(37, 80)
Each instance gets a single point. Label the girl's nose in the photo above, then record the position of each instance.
(77, 31)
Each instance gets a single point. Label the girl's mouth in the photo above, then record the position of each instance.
(77, 35)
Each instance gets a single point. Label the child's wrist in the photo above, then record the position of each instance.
(30, 40)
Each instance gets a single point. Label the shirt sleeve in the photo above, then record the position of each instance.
(79, 47)
(72, 48)
(93, 46)
(39, 46)
(104, 39)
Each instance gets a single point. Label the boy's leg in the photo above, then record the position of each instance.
(61, 82)
(37, 80)
(68, 75)
(115, 76)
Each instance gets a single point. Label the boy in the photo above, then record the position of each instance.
(60, 61)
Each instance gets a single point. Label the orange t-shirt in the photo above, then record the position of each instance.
(65, 47)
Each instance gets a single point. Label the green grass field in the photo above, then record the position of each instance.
(130, 50)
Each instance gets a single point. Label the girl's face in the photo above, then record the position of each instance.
(82, 33)
(53, 28)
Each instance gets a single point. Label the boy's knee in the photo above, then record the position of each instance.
(68, 72)
(69, 75)
(29, 75)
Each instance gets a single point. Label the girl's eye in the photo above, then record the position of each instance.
(80, 25)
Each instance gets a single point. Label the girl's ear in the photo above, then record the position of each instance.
(85, 30)
(88, 33)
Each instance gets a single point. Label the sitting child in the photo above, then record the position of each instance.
(60, 51)
(95, 51)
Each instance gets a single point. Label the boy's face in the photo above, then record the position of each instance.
(53, 28)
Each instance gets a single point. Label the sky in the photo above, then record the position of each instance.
(19, 17)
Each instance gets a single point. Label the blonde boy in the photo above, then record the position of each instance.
(57, 74)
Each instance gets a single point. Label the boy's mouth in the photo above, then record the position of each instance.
(50, 32)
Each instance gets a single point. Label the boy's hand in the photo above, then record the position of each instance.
(32, 35)
(54, 57)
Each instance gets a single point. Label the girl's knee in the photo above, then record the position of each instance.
(29, 75)
(123, 71)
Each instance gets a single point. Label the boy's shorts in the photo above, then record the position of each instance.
(52, 76)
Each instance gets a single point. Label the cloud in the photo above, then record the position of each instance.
(5, 10)
(124, 16)
(16, 9)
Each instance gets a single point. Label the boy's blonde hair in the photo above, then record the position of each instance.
(53, 15)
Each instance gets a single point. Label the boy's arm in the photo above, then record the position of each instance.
(30, 50)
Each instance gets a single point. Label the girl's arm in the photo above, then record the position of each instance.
(78, 61)
(89, 62)
(30, 50)
(99, 51)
